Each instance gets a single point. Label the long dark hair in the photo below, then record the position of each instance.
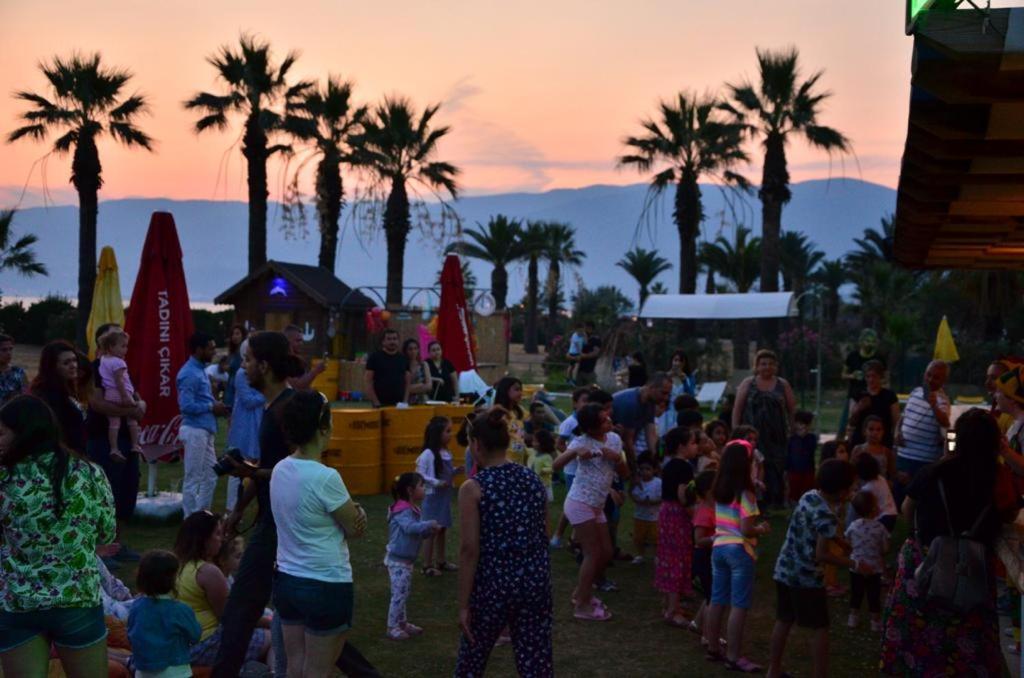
(733, 478)
(194, 532)
(47, 379)
(402, 485)
(232, 347)
(432, 441)
(501, 398)
(490, 429)
(589, 419)
(977, 438)
(683, 359)
(36, 432)
(273, 348)
(305, 414)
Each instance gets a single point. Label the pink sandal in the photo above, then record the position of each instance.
(598, 612)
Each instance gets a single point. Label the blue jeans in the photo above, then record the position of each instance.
(732, 577)
(323, 608)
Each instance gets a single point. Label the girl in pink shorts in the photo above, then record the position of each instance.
(599, 452)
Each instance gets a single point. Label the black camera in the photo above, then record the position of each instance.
(223, 466)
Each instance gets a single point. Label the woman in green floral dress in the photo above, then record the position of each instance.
(55, 508)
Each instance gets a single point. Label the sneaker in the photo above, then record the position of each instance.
(607, 586)
(853, 620)
(639, 560)
(876, 626)
(556, 542)
(397, 633)
(411, 629)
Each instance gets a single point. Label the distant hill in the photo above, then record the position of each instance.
(213, 234)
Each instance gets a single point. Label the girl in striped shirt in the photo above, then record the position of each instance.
(733, 553)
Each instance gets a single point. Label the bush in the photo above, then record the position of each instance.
(46, 320)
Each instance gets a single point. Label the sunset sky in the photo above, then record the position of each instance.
(539, 94)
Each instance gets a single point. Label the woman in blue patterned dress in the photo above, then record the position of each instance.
(505, 572)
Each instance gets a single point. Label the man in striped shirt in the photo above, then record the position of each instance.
(920, 437)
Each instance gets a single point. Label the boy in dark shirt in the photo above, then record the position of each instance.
(800, 457)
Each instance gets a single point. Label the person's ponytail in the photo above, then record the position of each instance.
(490, 429)
(273, 348)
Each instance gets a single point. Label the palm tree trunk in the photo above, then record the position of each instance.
(644, 293)
(329, 193)
(499, 286)
(554, 283)
(532, 292)
(689, 213)
(774, 194)
(85, 175)
(396, 230)
(254, 148)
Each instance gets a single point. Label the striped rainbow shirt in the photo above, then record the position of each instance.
(727, 523)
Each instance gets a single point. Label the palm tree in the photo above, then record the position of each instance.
(468, 277)
(876, 245)
(830, 276)
(659, 288)
(559, 250)
(878, 286)
(776, 109)
(326, 118)
(738, 262)
(398, 149)
(644, 266)
(532, 247)
(85, 101)
(18, 256)
(800, 256)
(253, 85)
(495, 244)
(689, 143)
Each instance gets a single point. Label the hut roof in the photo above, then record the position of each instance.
(317, 283)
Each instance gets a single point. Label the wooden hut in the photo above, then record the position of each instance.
(330, 313)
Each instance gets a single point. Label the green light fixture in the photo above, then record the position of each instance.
(917, 9)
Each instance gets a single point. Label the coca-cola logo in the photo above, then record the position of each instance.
(163, 436)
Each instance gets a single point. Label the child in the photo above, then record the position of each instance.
(749, 434)
(118, 389)
(600, 456)
(435, 467)
(799, 581)
(869, 540)
(540, 419)
(160, 629)
(718, 431)
(566, 432)
(505, 573)
(405, 532)
(230, 557)
(874, 435)
(703, 538)
(646, 493)
(576, 342)
(672, 574)
(219, 376)
(873, 482)
(834, 449)
(734, 551)
(542, 462)
(800, 456)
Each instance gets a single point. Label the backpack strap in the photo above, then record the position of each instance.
(949, 520)
(945, 507)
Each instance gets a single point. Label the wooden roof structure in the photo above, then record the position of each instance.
(317, 283)
(961, 191)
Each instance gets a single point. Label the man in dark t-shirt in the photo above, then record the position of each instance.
(588, 359)
(387, 373)
(853, 372)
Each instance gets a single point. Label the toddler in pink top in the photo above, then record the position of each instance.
(118, 389)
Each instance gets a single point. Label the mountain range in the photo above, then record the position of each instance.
(607, 220)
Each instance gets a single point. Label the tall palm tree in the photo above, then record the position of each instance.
(496, 244)
(800, 256)
(398, 149)
(877, 286)
(18, 255)
(559, 250)
(644, 266)
(690, 142)
(253, 85)
(830, 276)
(776, 109)
(85, 101)
(532, 247)
(327, 119)
(738, 262)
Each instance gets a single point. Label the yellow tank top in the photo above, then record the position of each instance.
(190, 593)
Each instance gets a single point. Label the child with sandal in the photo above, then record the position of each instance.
(672, 574)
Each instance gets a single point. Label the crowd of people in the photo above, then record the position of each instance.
(701, 493)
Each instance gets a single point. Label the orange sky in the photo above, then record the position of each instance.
(539, 94)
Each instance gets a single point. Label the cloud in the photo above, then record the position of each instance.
(461, 92)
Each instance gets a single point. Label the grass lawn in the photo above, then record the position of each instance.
(634, 643)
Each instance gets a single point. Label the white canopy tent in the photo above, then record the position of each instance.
(720, 306)
(748, 306)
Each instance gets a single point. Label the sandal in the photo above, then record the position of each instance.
(677, 620)
(445, 566)
(430, 571)
(598, 612)
(743, 665)
(693, 628)
(397, 633)
(411, 629)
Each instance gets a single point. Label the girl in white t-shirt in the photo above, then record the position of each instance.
(315, 517)
(872, 481)
(599, 452)
(437, 470)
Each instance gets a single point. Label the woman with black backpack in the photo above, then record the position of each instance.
(938, 620)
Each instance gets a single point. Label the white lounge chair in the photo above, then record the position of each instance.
(710, 393)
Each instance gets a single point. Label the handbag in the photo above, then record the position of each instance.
(955, 574)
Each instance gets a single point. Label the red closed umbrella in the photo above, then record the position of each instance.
(159, 322)
(454, 322)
